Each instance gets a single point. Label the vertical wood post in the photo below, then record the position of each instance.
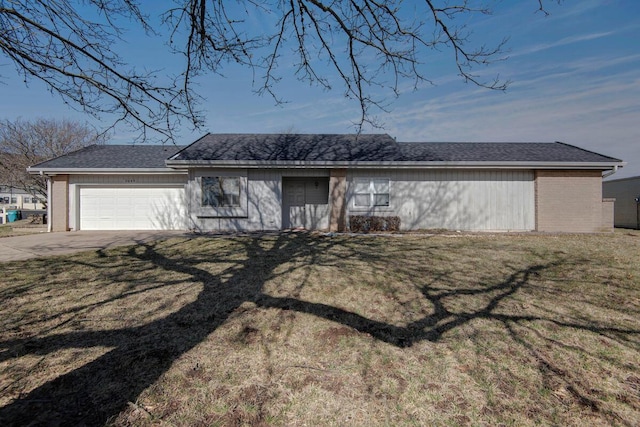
(337, 199)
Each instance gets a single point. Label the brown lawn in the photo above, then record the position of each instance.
(307, 329)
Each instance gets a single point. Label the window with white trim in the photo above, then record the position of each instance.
(372, 192)
(220, 191)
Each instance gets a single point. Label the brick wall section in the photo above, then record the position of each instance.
(569, 201)
(337, 196)
(608, 214)
(59, 203)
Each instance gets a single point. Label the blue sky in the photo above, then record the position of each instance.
(575, 77)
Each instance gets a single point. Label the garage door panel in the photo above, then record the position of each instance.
(132, 208)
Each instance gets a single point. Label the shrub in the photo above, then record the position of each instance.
(366, 224)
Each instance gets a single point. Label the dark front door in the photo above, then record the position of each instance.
(293, 207)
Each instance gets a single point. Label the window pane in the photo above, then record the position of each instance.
(232, 200)
(381, 185)
(210, 191)
(362, 199)
(230, 185)
(220, 191)
(381, 199)
(362, 186)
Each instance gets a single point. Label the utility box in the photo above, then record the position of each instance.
(12, 216)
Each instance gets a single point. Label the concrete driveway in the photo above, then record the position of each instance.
(36, 245)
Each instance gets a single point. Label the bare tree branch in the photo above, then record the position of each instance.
(26, 143)
(368, 47)
(52, 42)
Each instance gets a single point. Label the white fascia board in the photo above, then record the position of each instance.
(395, 165)
(104, 171)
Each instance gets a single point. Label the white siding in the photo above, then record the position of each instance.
(265, 199)
(128, 179)
(478, 200)
(261, 195)
(423, 199)
(303, 173)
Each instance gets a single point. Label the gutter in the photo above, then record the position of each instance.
(611, 172)
(394, 164)
(180, 167)
(94, 171)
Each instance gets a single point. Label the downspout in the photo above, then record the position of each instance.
(49, 219)
(611, 172)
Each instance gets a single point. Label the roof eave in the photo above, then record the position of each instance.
(103, 171)
(394, 164)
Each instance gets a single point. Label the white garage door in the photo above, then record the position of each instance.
(132, 208)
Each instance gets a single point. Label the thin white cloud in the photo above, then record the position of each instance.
(598, 112)
(562, 42)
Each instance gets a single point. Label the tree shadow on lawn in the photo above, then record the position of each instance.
(99, 390)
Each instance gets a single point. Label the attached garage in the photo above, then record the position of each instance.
(116, 187)
(131, 208)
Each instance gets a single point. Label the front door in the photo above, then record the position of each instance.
(294, 201)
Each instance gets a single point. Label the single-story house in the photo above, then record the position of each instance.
(249, 182)
(626, 192)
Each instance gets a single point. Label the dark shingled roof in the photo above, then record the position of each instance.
(372, 148)
(499, 152)
(324, 148)
(291, 147)
(113, 156)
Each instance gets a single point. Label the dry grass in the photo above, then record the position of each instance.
(6, 230)
(300, 329)
(20, 227)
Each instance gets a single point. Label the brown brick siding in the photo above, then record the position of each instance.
(607, 214)
(60, 203)
(337, 194)
(569, 201)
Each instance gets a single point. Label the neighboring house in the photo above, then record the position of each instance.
(14, 198)
(626, 193)
(279, 181)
